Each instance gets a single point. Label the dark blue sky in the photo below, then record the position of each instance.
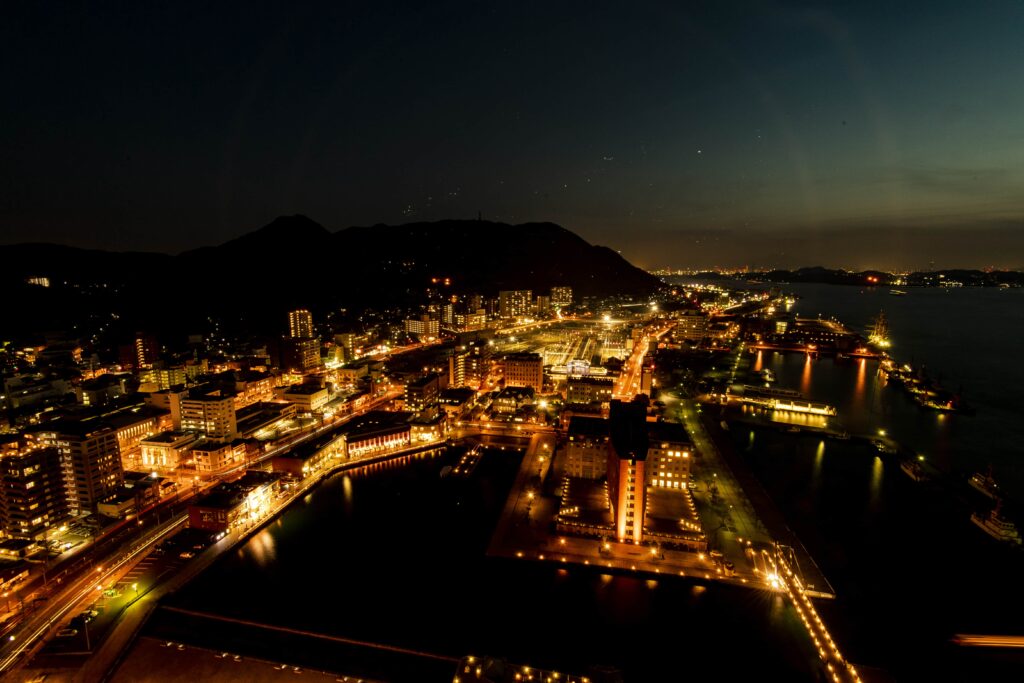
(762, 133)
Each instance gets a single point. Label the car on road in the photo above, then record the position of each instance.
(67, 633)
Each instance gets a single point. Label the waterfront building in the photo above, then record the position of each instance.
(300, 324)
(515, 303)
(377, 431)
(236, 504)
(308, 458)
(524, 369)
(586, 448)
(647, 468)
(627, 458)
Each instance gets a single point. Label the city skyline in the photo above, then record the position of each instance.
(765, 133)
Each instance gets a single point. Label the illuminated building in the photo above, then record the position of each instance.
(588, 390)
(211, 456)
(455, 402)
(423, 327)
(161, 377)
(375, 432)
(542, 305)
(101, 390)
(308, 398)
(347, 342)
(90, 460)
(510, 399)
(141, 353)
(515, 303)
(300, 324)
(471, 322)
(627, 457)
(251, 386)
(647, 375)
(300, 354)
(647, 465)
(236, 504)
(469, 365)
(561, 297)
(586, 448)
(210, 412)
(309, 457)
(165, 450)
(422, 393)
(692, 326)
(524, 369)
(32, 495)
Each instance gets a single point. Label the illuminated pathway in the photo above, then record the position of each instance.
(783, 578)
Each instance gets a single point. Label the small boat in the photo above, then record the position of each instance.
(985, 483)
(997, 526)
(913, 469)
(897, 292)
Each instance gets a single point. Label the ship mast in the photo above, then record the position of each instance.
(879, 335)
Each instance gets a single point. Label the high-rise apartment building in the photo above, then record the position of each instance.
(561, 297)
(300, 324)
(90, 460)
(469, 365)
(515, 303)
(32, 495)
(423, 327)
(141, 353)
(300, 354)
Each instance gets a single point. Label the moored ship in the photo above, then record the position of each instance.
(997, 526)
(985, 483)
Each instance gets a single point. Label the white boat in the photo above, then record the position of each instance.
(997, 526)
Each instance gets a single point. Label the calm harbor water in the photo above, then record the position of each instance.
(395, 554)
(909, 568)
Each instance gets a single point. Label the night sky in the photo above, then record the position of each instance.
(886, 134)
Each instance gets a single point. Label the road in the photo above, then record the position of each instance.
(628, 384)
